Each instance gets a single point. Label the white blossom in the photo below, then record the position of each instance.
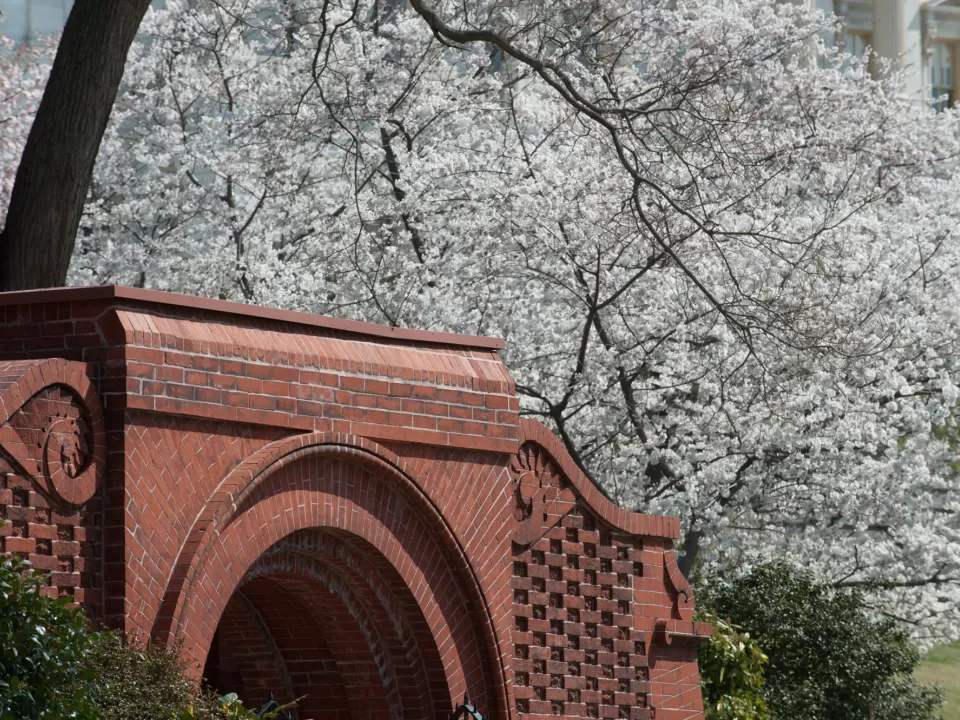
(724, 259)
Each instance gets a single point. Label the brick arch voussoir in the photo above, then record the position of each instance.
(381, 594)
(285, 560)
(254, 532)
(204, 545)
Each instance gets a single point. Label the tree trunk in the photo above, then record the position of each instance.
(57, 163)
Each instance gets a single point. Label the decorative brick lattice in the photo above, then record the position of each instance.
(576, 652)
(53, 542)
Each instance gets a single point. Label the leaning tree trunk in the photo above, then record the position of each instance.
(57, 163)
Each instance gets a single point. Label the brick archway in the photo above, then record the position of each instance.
(328, 507)
(336, 519)
(324, 617)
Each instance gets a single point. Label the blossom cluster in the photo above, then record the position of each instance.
(723, 256)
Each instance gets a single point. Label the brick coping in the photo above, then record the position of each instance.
(157, 297)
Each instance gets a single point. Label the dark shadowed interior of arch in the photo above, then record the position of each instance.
(323, 616)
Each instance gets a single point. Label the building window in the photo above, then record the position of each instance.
(856, 44)
(941, 75)
(25, 19)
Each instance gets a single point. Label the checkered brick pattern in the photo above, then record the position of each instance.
(58, 544)
(576, 652)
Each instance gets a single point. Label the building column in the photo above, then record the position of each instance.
(898, 37)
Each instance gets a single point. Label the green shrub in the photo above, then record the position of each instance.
(44, 649)
(134, 682)
(54, 667)
(138, 682)
(829, 659)
(232, 709)
(731, 673)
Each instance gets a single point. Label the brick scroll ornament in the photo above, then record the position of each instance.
(541, 496)
(50, 438)
(683, 601)
(67, 475)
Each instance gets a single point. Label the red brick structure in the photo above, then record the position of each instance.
(333, 509)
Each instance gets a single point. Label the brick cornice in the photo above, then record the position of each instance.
(312, 380)
(621, 519)
(209, 306)
(192, 357)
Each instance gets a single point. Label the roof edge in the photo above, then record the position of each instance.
(158, 297)
(628, 521)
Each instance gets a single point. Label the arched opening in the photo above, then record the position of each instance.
(332, 531)
(322, 615)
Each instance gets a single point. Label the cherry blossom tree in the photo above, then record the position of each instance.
(722, 256)
(56, 161)
(23, 75)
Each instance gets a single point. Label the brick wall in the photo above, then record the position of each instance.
(51, 455)
(602, 618)
(327, 508)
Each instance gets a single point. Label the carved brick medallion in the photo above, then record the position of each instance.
(542, 500)
(65, 442)
(49, 438)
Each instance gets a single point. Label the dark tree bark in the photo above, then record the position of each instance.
(57, 163)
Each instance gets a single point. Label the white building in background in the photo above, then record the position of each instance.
(26, 19)
(921, 37)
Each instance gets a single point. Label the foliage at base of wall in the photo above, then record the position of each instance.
(830, 657)
(44, 646)
(731, 670)
(134, 682)
(54, 667)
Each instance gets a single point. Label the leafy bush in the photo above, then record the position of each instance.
(44, 651)
(829, 659)
(53, 667)
(232, 709)
(133, 682)
(731, 673)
